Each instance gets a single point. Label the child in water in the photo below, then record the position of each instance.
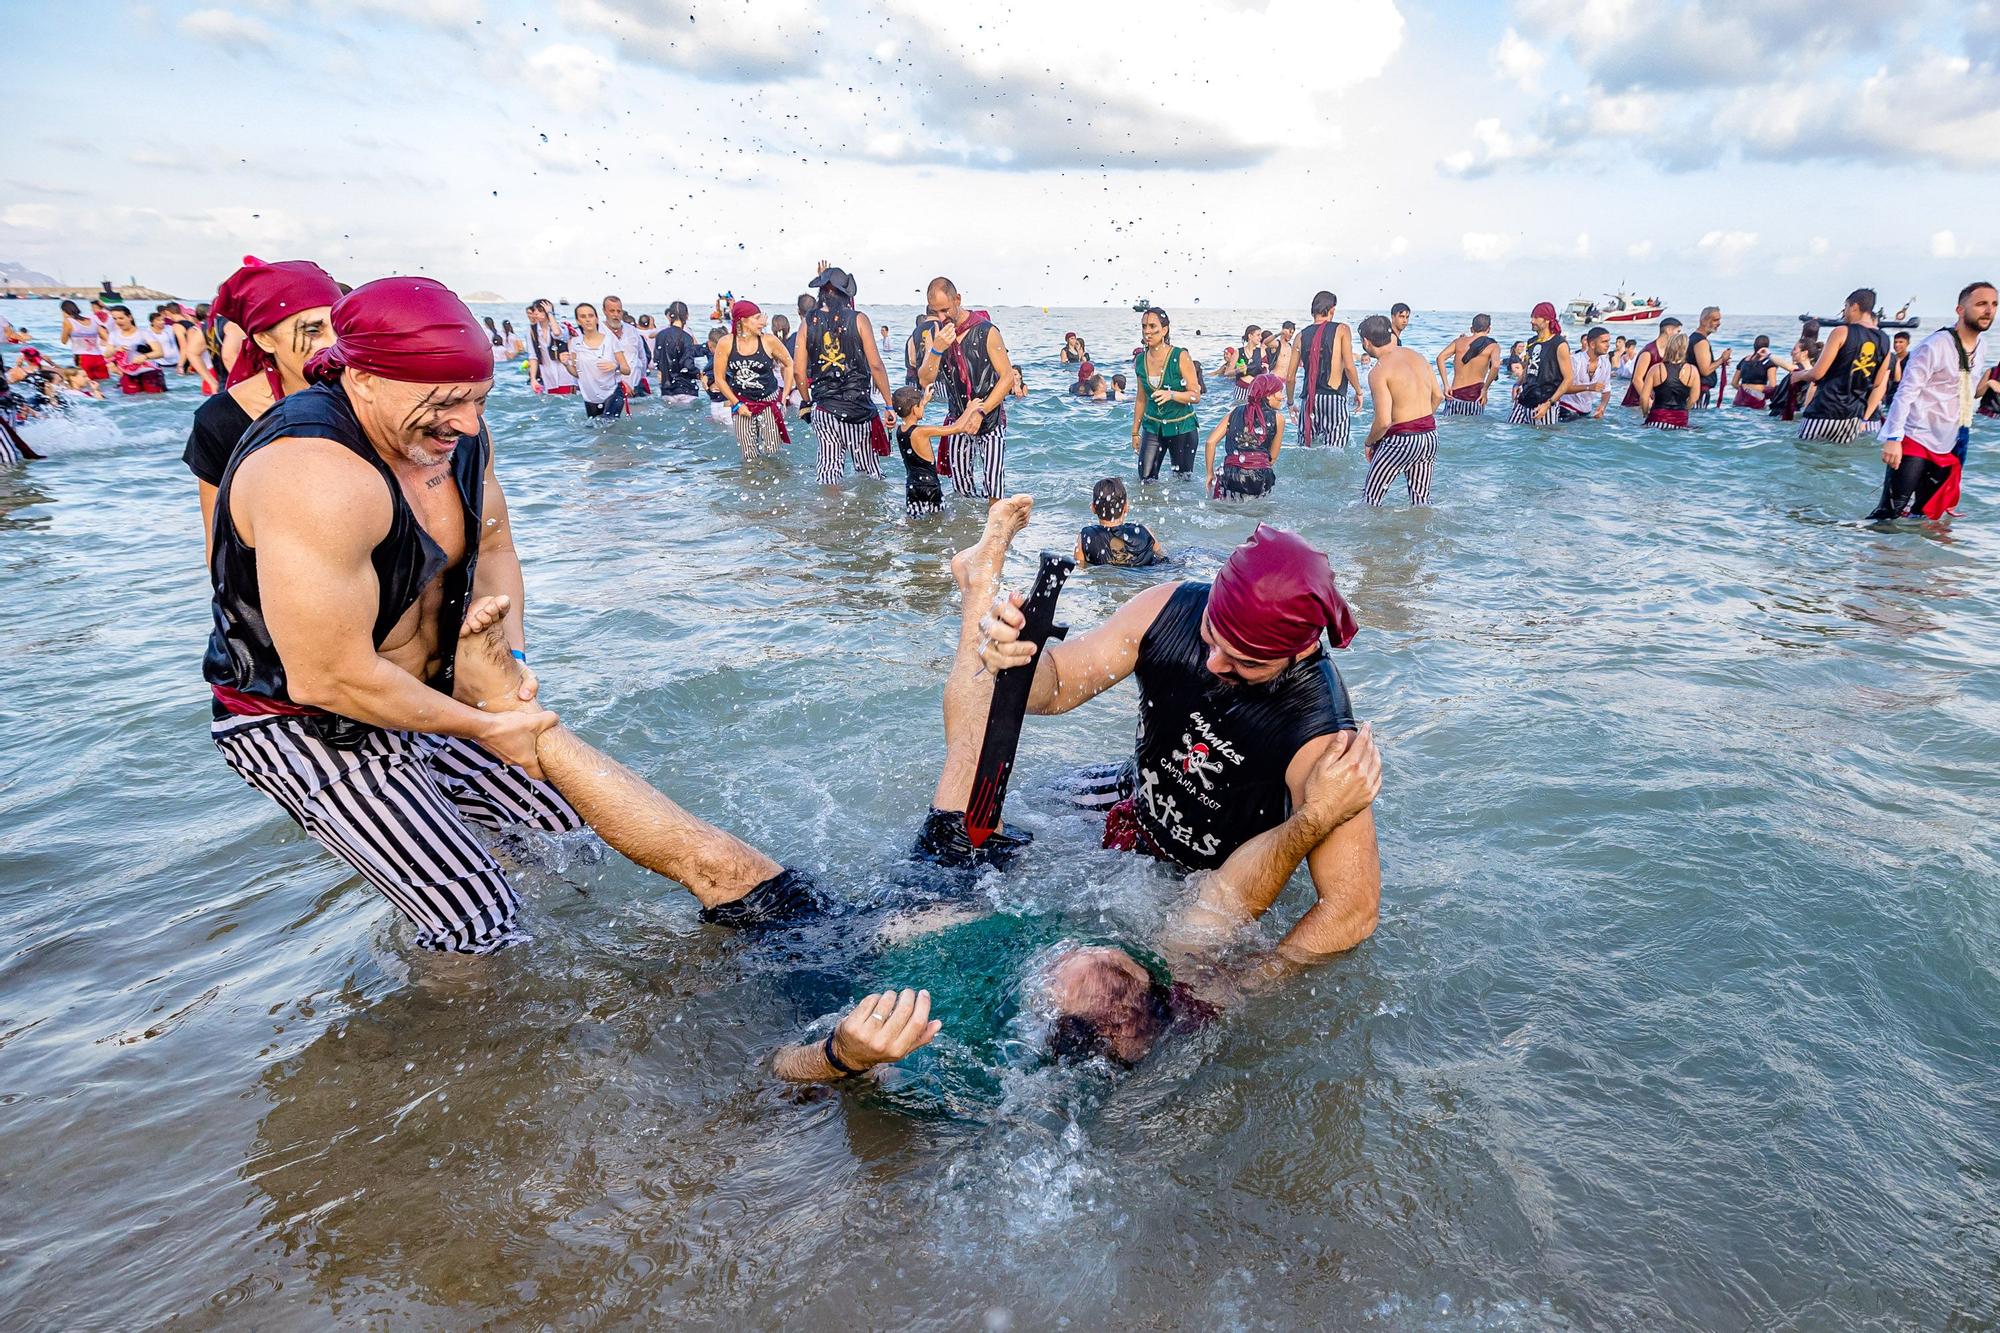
(1111, 540)
(922, 493)
(718, 406)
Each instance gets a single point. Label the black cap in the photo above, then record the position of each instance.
(836, 278)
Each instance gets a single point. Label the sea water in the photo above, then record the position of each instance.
(1681, 1013)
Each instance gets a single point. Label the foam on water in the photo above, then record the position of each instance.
(1681, 1013)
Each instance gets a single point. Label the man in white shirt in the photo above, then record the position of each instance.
(1930, 423)
(633, 343)
(1589, 386)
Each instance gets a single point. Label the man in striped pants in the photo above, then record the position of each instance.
(1402, 441)
(968, 354)
(358, 520)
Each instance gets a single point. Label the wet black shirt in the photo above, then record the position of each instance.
(1843, 393)
(1210, 758)
(836, 364)
(1128, 545)
(674, 356)
(1541, 372)
(218, 424)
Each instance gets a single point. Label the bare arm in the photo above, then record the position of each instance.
(862, 1040)
(1343, 345)
(782, 355)
(499, 571)
(1385, 406)
(1214, 436)
(314, 513)
(722, 354)
(1647, 384)
(1881, 387)
(877, 372)
(1277, 434)
(1073, 671)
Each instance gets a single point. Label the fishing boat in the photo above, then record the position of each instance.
(1900, 320)
(1142, 305)
(1624, 308)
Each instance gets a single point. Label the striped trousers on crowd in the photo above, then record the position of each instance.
(1413, 456)
(978, 462)
(1327, 421)
(1525, 416)
(1461, 407)
(394, 805)
(10, 453)
(837, 440)
(1837, 429)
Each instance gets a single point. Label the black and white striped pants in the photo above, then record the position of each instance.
(1330, 422)
(1839, 430)
(1525, 416)
(837, 439)
(1411, 455)
(1461, 407)
(978, 462)
(10, 453)
(394, 805)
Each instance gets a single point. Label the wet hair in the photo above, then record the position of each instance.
(506, 326)
(1595, 330)
(1094, 383)
(1108, 499)
(716, 335)
(1481, 323)
(1130, 1016)
(1763, 343)
(1669, 323)
(1862, 299)
(780, 325)
(488, 321)
(808, 303)
(1118, 381)
(1398, 309)
(906, 399)
(1252, 329)
(677, 313)
(1323, 303)
(1972, 287)
(1674, 350)
(1288, 325)
(1376, 331)
(944, 285)
(71, 309)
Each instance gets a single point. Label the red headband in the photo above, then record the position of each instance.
(413, 330)
(1275, 595)
(744, 309)
(261, 296)
(1545, 311)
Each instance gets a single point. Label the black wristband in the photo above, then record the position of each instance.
(826, 1049)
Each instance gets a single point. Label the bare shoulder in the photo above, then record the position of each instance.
(312, 484)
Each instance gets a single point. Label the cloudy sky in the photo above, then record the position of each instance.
(1764, 154)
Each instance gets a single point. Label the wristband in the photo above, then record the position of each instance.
(518, 656)
(826, 1049)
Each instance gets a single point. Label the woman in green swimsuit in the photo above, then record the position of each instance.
(1163, 420)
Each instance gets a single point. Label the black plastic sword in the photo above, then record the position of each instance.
(1010, 702)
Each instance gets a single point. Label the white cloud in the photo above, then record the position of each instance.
(1582, 248)
(1944, 245)
(1494, 146)
(1641, 250)
(1726, 250)
(1488, 247)
(1518, 59)
(236, 33)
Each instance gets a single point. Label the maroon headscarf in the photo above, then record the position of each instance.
(1275, 595)
(413, 330)
(1260, 391)
(1544, 310)
(261, 296)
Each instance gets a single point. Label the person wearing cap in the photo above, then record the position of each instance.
(968, 354)
(357, 521)
(285, 310)
(838, 365)
(753, 373)
(1545, 371)
(1238, 702)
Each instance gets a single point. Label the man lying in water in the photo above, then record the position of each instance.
(1101, 998)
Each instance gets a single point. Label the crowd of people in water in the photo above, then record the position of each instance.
(368, 661)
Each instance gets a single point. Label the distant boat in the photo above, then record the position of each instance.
(1142, 305)
(1909, 322)
(1623, 308)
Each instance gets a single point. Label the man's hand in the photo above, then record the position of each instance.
(971, 423)
(941, 338)
(1542, 412)
(1345, 780)
(512, 738)
(1002, 628)
(1892, 452)
(884, 1028)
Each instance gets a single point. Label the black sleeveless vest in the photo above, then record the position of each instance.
(1542, 374)
(1211, 757)
(1843, 394)
(837, 364)
(241, 655)
(1128, 545)
(1317, 354)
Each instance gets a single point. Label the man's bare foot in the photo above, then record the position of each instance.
(976, 569)
(487, 675)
